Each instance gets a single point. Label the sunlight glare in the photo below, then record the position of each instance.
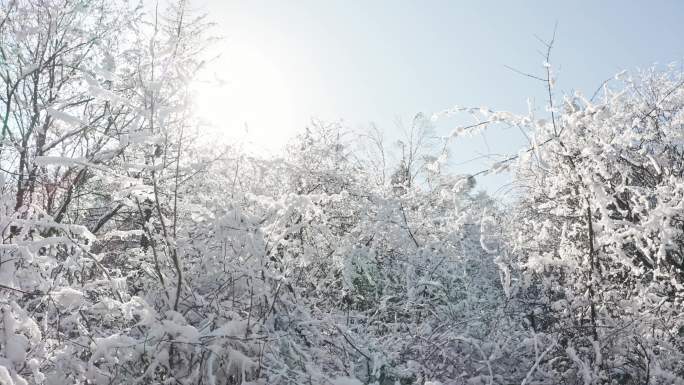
(245, 97)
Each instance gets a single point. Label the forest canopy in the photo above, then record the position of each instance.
(135, 249)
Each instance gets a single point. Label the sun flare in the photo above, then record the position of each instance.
(245, 96)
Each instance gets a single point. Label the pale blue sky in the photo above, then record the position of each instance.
(373, 61)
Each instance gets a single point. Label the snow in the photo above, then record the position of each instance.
(65, 161)
(15, 348)
(27, 70)
(65, 117)
(346, 381)
(317, 267)
(5, 377)
(68, 297)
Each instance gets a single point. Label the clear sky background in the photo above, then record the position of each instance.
(285, 62)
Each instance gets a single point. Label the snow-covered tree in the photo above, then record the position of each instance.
(598, 234)
(137, 250)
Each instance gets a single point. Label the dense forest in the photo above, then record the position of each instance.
(137, 250)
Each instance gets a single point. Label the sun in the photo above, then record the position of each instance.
(245, 96)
